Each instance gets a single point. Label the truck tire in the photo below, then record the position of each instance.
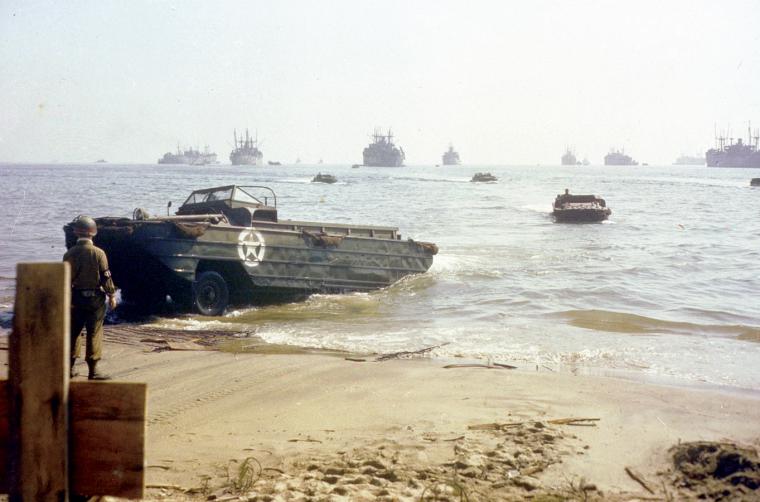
(210, 294)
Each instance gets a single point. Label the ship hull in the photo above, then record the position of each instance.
(174, 159)
(581, 215)
(721, 159)
(372, 160)
(189, 157)
(245, 160)
(619, 159)
(451, 158)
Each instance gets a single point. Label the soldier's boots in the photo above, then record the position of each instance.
(94, 373)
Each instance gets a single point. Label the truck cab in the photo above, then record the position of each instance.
(236, 203)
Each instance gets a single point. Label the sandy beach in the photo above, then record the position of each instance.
(269, 425)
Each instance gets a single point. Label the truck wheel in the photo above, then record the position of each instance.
(210, 294)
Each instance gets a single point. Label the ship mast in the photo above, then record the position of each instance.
(715, 134)
(749, 132)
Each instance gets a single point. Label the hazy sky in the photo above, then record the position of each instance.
(506, 82)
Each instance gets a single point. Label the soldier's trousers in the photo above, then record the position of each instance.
(87, 313)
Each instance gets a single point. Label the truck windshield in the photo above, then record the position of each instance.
(243, 196)
(198, 197)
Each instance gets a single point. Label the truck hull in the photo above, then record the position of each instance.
(152, 259)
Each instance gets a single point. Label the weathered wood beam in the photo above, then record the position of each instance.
(59, 437)
(107, 438)
(38, 383)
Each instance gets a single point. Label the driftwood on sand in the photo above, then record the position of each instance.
(638, 478)
(496, 426)
(407, 353)
(587, 422)
(491, 366)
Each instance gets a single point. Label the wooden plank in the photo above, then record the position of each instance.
(107, 438)
(4, 447)
(39, 383)
(107, 445)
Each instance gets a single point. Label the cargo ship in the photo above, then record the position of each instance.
(690, 160)
(451, 157)
(246, 151)
(619, 158)
(739, 154)
(190, 157)
(569, 159)
(382, 152)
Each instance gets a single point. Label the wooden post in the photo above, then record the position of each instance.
(59, 438)
(39, 383)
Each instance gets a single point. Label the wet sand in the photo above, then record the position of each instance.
(315, 425)
(304, 425)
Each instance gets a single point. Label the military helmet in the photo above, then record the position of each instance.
(84, 226)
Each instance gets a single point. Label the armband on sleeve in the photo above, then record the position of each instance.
(107, 283)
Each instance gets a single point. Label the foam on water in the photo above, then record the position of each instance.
(538, 208)
(666, 288)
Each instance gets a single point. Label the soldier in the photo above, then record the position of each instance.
(90, 285)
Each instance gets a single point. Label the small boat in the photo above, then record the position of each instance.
(580, 208)
(483, 178)
(755, 182)
(101, 161)
(355, 166)
(274, 163)
(324, 178)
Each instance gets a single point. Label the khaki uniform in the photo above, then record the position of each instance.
(90, 283)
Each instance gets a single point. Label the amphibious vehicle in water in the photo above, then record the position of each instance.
(228, 245)
(483, 178)
(580, 208)
(324, 178)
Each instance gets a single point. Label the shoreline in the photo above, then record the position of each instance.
(228, 340)
(315, 425)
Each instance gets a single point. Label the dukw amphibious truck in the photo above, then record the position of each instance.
(227, 245)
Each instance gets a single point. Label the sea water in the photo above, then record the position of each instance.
(666, 289)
